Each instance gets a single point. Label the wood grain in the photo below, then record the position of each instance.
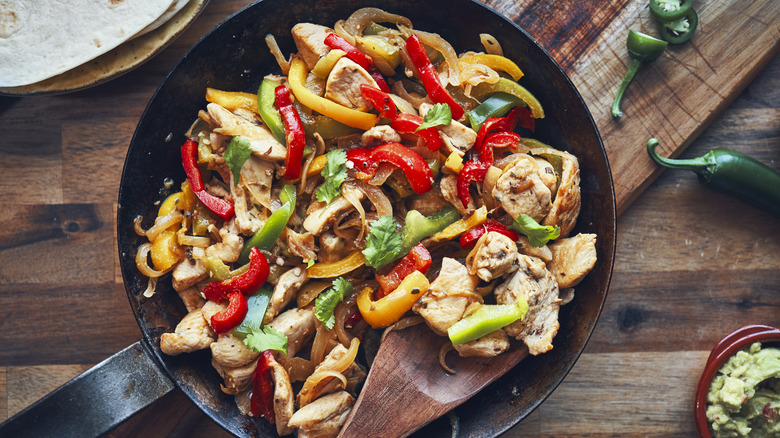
(691, 264)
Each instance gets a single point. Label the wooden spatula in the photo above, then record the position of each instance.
(407, 387)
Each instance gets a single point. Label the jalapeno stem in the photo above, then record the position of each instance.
(633, 67)
(697, 165)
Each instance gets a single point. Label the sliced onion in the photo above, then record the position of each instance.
(299, 369)
(402, 324)
(349, 191)
(273, 46)
(198, 241)
(320, 344)
(343, 32)
(142, 261)
(343, 310)
(436, 42)
(446, 348)
(309, 291)
(139, 229)
(162, 223)
(491, 44)
(150, 287)
(363, 17)
(316, 384)
(377, 197)
(416, 101)
(382, 173)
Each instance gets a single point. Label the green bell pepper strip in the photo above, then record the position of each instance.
(680, 31)
(268, 112)
(730, 172)
(417, 227)
(496, 105)
(486, 319)
(269, 234)
(504, 85)
(255, 315)
(642, 49)
(669, 10)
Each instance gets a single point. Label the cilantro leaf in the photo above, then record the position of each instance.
(383, 242)
(439, 115)
(334, 172)
(326, 301)
(538, 235)
(267, 338)
(238, 151)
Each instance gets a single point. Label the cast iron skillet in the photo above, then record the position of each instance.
(233, 56)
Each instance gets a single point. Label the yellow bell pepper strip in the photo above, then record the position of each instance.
(335, 269)
(504, 85)
(486, 319)
(232, 100)
(317, 164)
(347, 116)
(496, 62)
(165, 250)
(266, 97)
(477, 218)
(391, 307)
(325, 64)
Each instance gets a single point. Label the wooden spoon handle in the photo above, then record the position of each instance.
(407, 387)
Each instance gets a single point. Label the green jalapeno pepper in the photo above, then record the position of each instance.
(669, 10)
(731, 172)
(642, 49)
(680, 31)
(268, 235)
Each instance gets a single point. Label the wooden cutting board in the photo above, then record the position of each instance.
(673, 98)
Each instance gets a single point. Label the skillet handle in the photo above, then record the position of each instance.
(95, 401)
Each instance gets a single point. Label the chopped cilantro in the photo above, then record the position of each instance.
(267, 338)
(238, 151)
(383, 243)
(334, 172)
(439, 115)
(326, 301)
(538, 235)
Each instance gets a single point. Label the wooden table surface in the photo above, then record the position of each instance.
(691, 264)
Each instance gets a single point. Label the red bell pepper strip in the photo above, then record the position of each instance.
(232, 316)
(406, 123)
(429, 76)
(262, 400)
(416, 169)
(247, 283)
(189, 158)
(497, 140)
(336, 42)
(379, 79)
(353, 320)
(469, 239)
(508, 123)
(380, 100)
(473, 170)
(418, 259)
(293, 131)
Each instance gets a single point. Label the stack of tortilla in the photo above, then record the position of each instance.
(40, 39)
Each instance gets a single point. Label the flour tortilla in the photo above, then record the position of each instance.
(173, 9)
(43, 38)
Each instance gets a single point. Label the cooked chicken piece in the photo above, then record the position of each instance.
(249, 218)
(285, 289)
(534, 283)
(492, 344)
(456, 136)
(236, 379)
(572, 259)
(191, 334)
(403, 105)
(343, 86)
(492, 256)
(186, 273)
(310, 40)
(231, 352)
(566, 206)
(230, 247)
(546, 173)
(379, 134)
(332, 248)
(450, 294)
(323, 417)
(211, 308)
(323, 214)
(261, 141)
(297, 325)
(449, 189)
(284, 402)
(429, 202)
(542, 252)
(191, 298)
(520, 190)
(354, 374)
(257, 176)
(301, 245)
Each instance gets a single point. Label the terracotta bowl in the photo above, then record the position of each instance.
(234, 56)
(723, 350)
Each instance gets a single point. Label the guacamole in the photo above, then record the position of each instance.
(744, 397)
